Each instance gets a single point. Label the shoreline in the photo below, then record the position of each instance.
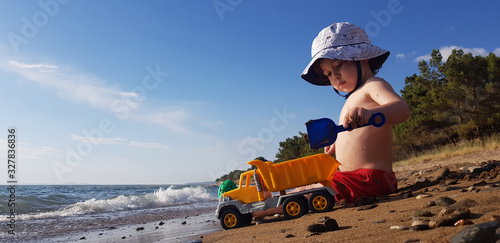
(172, 230)
(162, 225)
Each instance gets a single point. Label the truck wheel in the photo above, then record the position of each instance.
(247, 218)
(231, 219)
(294, 207)
(321, 202)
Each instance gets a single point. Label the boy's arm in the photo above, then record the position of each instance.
(394, 108)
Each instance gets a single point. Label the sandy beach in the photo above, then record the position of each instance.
(471, 182)
(469, 187)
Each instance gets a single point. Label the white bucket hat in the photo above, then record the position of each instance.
(342, 41)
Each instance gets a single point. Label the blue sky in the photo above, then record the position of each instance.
(160, 92)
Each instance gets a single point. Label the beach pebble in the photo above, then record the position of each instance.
(465, 203)
(412, 241)
(364, 201)
(488, 218)
(462, 222)
(323, 219)
(420, 222)
(443, 172)
(433, 224)
(446, 210)
(421, 180)
(464, 213)
(451, 188)
(472, 168)
(484, 232)
(481, 183)
(477, 169)
(419, 227)
(450, 219)
(422, 213)
(455, 175)
(423, 196)
(413, 173)
(444, 201)
(366, 207)
(316, 228)
(430, 204)
(258, 220)
(407, 194)
(398, 227)
(451, 182)
(331, 224)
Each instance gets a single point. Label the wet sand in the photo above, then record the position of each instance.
(159, 225)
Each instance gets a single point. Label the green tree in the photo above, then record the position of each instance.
(235, 174)
(450, 100)
(293, 148)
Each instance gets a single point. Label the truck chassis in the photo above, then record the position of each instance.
(234, 214)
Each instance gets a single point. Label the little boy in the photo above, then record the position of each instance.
(343, 57)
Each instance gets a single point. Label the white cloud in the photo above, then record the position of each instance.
(41, 67)
(29, 152)
(148, 145)
(423, 58)
(84, 88)
(400, 55)
(40, 153)
(497, 51)
(173, 118)
(71, 85)
(447, 50)
(96, 140)
(450, 28)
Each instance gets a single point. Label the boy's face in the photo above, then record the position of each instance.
(343, 75)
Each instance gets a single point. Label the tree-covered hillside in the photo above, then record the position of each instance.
(449, 101)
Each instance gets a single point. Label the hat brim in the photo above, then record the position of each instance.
(357, 52)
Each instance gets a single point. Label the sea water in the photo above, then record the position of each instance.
(43, 211)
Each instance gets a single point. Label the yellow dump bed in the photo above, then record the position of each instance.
(297, 172)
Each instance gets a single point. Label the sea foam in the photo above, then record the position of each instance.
(171, 196)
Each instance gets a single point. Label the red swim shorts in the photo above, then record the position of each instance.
(351, 185)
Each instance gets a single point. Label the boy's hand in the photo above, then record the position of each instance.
(357, 116)
(330, 149)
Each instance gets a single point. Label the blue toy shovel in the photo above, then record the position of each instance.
(323, 132)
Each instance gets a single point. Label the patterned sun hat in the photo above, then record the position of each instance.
(342, 41)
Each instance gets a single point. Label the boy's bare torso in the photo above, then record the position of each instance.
(366, 147)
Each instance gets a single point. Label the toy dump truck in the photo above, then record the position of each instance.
(237, 204)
